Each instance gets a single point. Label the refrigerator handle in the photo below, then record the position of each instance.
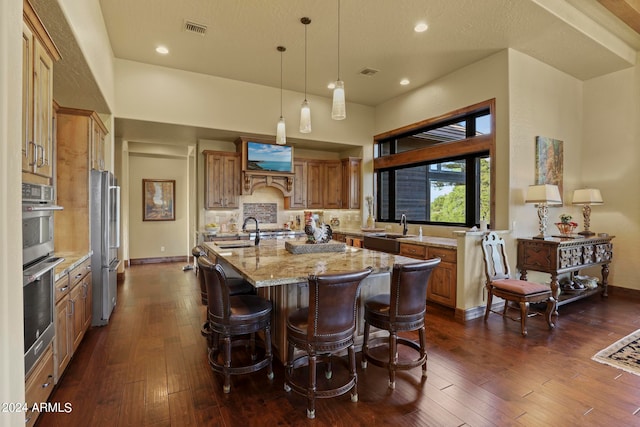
(117, 214)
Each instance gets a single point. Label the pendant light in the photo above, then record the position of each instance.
(339, 109)
(305, 109)
(281, 137)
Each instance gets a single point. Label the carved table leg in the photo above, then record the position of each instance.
(605, 276)
(555, 291)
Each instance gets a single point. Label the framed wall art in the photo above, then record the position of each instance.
(158, 200)
(549, 161)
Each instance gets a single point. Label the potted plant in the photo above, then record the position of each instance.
(566, 226)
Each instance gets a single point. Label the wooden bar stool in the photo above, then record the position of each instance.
(325, 327)
(229, 320)
(403, 309)
(237, 285)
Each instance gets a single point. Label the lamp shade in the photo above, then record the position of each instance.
(339, 109)
(587, 196)
(543, 193)
(305, 117)
(281, 136)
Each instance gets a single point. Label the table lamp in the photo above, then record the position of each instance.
(587, 197)
(542, 195)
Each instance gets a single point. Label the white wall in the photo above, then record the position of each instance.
(11, 331)
(610, 156)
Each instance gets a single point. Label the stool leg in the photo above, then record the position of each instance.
(423, 350)
(268, 353)
(288, 367)
(354, 374)
(311, 390)
(393, 358)
(365, 345)
(227, 364)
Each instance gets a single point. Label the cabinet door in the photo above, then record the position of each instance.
(442, 286)
(222, 180)
(299, 198)
(43, 110)
(97, 145)
(62, 342)
(87, 301)
(27, 99)
(332, 192)
(351, 183)
(231, 181)
(315, 185)
(77, 315)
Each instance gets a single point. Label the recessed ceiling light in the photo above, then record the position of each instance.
(420, 27)
(331, 85)
(162, 50)
(404, 82)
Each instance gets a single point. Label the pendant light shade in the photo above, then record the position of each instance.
(305, 109)
(339, 109)
(281, 134)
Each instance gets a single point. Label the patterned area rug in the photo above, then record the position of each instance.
(623, 354)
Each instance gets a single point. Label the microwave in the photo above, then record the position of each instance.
(37, 221)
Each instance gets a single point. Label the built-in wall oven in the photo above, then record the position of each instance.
(37, 267)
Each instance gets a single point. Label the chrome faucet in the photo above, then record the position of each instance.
(244, 228)
(403, 222)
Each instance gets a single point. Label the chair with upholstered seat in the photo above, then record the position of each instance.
(401, 310)
(237, 285)
(500, 284)
(327, 326)
(230, 319)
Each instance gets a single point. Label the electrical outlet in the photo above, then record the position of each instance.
(161, 248)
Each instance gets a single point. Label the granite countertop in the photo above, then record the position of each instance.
(71, 261)
(270, 264)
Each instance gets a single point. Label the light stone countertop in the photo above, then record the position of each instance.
(270, 264)
(71, 261)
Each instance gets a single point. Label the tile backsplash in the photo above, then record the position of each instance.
(265, 213)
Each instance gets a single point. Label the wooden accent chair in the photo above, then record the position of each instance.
(403, 309)
(325, 327)
(229, 320)
(500, 284)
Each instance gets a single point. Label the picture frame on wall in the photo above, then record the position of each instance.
(549, 162)
(158, 200)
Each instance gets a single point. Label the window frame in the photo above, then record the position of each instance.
(472, 146)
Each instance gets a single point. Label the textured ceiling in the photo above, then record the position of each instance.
(579, 37)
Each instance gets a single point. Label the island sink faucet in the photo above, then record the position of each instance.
(244, 228)
(403, 223)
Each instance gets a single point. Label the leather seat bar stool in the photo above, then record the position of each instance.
(500, 284)
(237, 285)
(230, 320)
(325, 327)
(403, 309)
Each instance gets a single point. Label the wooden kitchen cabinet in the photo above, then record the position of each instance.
(38, 385)
(97, 143)
(62, 344)
(443, 281)
(315, 184)
(351, 177)
(38, 55)
(222, 179)
(299, 198)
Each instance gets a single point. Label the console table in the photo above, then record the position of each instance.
(558, 255)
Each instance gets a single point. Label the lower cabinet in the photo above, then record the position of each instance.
(443, 281)
(73, 313)
(38, 385)
(350, 240)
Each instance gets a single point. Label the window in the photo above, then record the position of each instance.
(438, 172)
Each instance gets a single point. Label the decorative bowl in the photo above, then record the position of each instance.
(565, 228)
(212, 229)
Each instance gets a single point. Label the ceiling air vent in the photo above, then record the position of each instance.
(368, 72)
(194, 27)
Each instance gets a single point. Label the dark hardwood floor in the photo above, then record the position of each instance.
(148, 367)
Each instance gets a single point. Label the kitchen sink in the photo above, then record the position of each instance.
(384, 242)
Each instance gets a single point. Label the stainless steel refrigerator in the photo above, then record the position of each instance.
(104, 209)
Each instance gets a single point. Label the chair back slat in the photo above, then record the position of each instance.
(409, 288)
(495, 257)
(332, 303)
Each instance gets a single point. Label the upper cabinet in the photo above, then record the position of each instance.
(222, 179)
(39, 53)
(98, 136)
(351, 177)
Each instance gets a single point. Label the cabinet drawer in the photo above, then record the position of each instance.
(39, 385)
(79, 272)
(62, 287)
(446, 255)
(413, 251)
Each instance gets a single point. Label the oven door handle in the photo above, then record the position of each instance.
(37, 275)
(41, 208)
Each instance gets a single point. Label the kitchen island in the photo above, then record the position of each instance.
(281, 277)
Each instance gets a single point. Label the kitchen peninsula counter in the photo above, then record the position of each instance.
(281, 277)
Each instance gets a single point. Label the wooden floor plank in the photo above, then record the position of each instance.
(149, 367)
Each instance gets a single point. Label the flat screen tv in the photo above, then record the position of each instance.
(266, 157)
